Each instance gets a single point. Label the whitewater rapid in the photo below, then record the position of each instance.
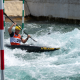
(62, 64)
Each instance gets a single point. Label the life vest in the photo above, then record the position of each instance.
(15, 40)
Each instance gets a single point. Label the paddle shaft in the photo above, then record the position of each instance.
(17, 25)
(30, 37)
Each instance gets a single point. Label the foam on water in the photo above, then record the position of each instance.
(62, 64)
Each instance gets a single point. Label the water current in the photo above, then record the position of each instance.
(63, 64)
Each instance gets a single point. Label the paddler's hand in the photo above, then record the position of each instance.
(14, 24)
(28, 36)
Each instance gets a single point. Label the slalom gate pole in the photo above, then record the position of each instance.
(23, 17)
(1, 41)
(4, 16)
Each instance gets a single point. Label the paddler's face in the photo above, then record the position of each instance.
(17, 31)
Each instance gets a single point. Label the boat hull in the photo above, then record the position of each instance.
(31, 48)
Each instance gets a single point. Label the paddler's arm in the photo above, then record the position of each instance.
(24, 40)
(10, 29)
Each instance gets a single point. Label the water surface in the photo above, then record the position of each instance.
(63, 64)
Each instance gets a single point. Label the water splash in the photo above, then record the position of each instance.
(58, 65)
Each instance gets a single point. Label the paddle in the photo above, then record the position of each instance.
(10, 19)
(18, 26)
(30, 37)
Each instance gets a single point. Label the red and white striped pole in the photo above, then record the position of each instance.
(1, 41)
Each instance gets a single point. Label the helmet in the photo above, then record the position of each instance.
(18, 28)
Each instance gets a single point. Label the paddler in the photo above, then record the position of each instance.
(15, 37)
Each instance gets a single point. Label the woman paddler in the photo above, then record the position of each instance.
(15, 37)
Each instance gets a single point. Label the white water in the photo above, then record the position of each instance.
(63, 64)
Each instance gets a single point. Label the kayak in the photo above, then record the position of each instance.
(31, 48)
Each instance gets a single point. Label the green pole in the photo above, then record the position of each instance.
(3, 16)
(23, 17)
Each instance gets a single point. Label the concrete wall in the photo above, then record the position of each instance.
(13, 8)
(69, 9)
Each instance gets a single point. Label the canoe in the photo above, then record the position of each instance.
(31, 48)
